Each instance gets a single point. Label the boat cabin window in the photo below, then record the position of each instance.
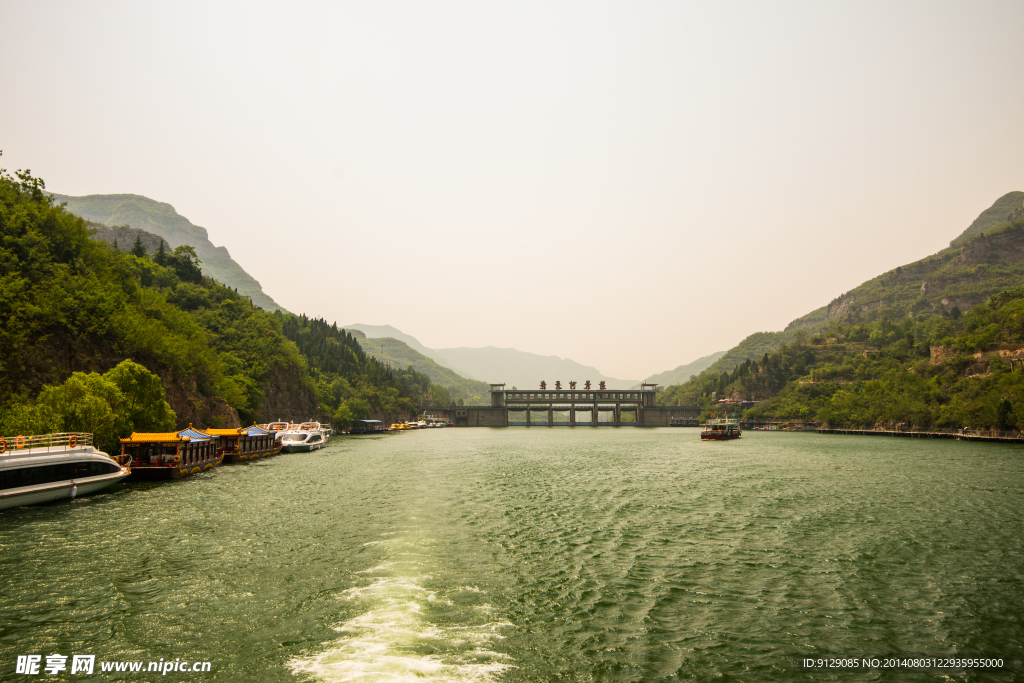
(34, 476)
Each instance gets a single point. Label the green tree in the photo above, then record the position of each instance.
(342, 416)
(161, 253)
(185, 264)
(358, 408)
(137, 248)
(126, 399)
(144, 407)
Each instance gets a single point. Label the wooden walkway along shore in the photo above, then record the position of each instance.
(957, 434)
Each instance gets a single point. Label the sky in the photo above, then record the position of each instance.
(630, 185)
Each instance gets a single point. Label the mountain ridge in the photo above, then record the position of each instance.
(684, 372)
(161, 219)
(983, 260)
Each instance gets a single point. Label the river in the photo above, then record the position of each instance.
(541, 554)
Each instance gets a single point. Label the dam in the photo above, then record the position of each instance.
(570, 407)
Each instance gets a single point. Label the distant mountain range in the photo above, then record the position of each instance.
(497, 365)
(158, 218)
(400, 355)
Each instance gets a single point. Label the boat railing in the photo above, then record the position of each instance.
(61, 441)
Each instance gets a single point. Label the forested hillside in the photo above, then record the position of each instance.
(937, 370)
(117, 211)
(72, 309)
(351, 383)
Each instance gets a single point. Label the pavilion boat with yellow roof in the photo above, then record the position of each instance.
(246, 443)
(171, 455)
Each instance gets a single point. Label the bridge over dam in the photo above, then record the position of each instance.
(571, 408)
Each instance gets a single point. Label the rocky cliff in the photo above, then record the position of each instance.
(1002, 247)
(193, 408)
(286, 397)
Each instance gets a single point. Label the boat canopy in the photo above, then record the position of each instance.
(194, 434)
(153, 437)
(235, 431)
(191, 434)
(255, 430)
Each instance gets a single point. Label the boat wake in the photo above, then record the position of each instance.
(394, 640)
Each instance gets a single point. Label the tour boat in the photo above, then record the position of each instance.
(48, 467)
(307, 436)
(368, 427)
(246, 443)
(171, 455)
(721, 429)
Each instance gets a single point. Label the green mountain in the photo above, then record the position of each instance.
(158, 218)
(399, 354)
(898, 351)
(92, 337)
(1008, 207)
(921, 373)
(684, 372)
(987, 258)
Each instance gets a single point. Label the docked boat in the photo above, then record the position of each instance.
(369, 427)
(683, 422)
(49, 467)
(171, 455)
(246, 443)
(308, 436)
(721, 429)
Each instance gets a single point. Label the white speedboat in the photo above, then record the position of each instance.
(49, 467)
(307, 436)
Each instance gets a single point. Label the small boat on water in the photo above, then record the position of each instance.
(49, 467)
(368, 427)
(171, 455)
(721, 429)
(308, 436)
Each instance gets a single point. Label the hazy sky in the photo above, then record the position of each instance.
(631, 185)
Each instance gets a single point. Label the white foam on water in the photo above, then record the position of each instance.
(394, 642)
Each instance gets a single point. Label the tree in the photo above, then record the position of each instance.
(128, 398)
(186, 264)
(342, 416)
(1004, 416)
(137, 248)
(161, 253)
(359, 408)
(144, 407)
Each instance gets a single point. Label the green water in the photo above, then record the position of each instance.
(534, 555)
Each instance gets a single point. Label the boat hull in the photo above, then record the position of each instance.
(711, 436)
(62, 490)
(302, 447)
(243, 457)
(175, 471)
